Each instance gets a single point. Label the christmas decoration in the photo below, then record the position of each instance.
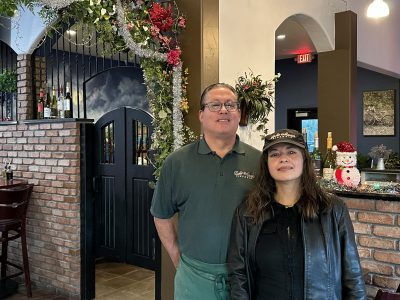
(346, 172)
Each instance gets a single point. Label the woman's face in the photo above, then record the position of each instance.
(285, 163)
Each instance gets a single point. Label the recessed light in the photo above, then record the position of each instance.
(281, 37)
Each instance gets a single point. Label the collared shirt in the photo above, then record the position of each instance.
(280, 256)
(204, 190)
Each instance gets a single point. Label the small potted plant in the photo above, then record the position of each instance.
(380, 152)
(256, 98)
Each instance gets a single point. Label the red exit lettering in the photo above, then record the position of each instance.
(304, 58)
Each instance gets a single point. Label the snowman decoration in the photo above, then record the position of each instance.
(346, 172)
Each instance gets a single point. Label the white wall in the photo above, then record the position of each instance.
(247, 39)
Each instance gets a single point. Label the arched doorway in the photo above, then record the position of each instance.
(296, 92)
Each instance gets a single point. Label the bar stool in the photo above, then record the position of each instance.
(13, 206)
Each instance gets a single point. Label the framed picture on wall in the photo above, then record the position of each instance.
(379, 116)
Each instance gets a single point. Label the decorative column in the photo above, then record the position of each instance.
(25, 88)
(337, 83)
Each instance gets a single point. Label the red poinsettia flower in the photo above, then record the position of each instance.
(161, 17)
(173, 57)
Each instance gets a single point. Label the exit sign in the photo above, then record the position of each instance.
(304, 58)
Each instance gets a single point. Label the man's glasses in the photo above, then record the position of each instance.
(217, 106)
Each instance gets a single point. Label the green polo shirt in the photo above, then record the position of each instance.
(204, 190)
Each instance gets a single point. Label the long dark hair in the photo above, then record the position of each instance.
(312, 201)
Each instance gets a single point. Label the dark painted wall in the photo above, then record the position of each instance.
(297, 88)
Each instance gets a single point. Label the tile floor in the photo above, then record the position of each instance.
(114, 281)
(120, 281)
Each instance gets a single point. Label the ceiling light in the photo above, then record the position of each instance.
(378, 9)
(280, 37)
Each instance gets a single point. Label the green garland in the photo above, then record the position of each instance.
(159, 91)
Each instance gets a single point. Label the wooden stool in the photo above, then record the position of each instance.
(13, 206)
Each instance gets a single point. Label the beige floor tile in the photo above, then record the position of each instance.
(139, 275)
(118, 282)
(120, 295)
(102, 290)
(141, 287)
(149, 294)
(102, 276)
(116, 268)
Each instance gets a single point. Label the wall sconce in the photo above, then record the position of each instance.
(378, 9)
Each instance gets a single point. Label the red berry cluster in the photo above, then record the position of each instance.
(345, 147)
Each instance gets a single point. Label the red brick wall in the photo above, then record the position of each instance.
(376, 224)
(47, 154)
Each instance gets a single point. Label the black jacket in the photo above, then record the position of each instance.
(332, 268)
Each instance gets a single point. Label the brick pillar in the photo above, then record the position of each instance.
(39, 75)
(25, 88)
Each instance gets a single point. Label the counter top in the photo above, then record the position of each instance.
(366, 195)
(389, 191)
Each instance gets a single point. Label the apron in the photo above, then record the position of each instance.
(196, 280)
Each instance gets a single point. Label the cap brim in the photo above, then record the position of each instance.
(286, 141)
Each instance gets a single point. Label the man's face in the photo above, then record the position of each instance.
(222, 123)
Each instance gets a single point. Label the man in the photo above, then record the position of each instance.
(204, 182)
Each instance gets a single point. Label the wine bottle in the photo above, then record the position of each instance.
(67, 102)
(53, 105)
(304, 133)
(40, 105)
(60, 103)
(329, 163)
(316, 156)
(47, 108)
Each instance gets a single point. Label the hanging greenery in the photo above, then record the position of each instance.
(8, 81)
(256, 98)
(9, 7)
(151, 31)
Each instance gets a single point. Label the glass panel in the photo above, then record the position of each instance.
(8, 106)
(108, 143)
(312, 126)
(141, 140)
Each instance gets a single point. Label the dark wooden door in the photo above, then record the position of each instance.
(141, 234)
(124, 230)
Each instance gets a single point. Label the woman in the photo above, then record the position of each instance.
(289, 239)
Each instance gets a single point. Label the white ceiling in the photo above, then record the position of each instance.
(297, 40)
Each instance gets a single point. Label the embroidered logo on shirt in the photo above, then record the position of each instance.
(243, 174)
